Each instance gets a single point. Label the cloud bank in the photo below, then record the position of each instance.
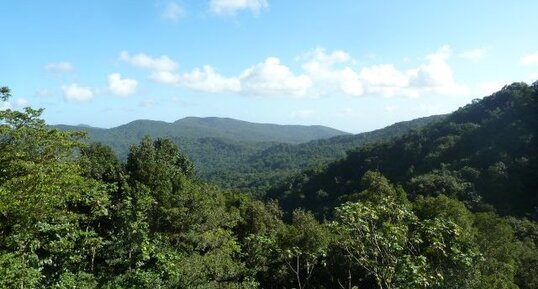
(322, 73)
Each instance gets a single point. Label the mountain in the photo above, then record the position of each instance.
(254, 156)
(260, 169)
(214, 127)
(484, 154)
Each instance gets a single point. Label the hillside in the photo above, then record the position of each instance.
(259, 169)
(254, 156)
(484, 154)
(94, 221)
(211, 127)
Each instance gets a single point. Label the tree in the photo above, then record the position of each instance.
(47, 207)
(496, 241)
(383, 236)
(304, 247)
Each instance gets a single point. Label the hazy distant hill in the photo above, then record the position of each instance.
(210, 127)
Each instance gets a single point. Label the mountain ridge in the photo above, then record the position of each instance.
(254, 165)
(484, 154)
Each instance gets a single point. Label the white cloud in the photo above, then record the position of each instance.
(205, 79)
(332, 72)
(173, 12)
(75, 92)
(232, 6)
(323, 73)
(21, 102)
(121, 86)
(60, 67)
(385, 80)
(384, 75)
(141, 60)
(323, 69)
(271, 78)
(473, 54)
(530, 59)
(435, 72)
(436, 76)
(165, 77)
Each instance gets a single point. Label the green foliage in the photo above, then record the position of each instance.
(47, 206)
(484, 154)
(74, 216)
(255, 156)
(5, 93)
(383, 236)
(496, 240)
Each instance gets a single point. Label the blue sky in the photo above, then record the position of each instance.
(353, 65)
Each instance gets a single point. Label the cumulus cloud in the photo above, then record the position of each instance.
(232, 6)
(21, 102)
(173, 12)
(386, 80)
(436, 76)
(205, 79)
(324, 68)
(271, 78)
(384, 75)
(473, 54)
(435, 72)
(530, 59)
(141, 60)
(322, 73)
(60, 67)
(75, 92)
(208, 80)
(334, 72)
(121, 86)
(268, 78)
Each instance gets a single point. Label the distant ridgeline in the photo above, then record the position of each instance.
(484, 154)
(243, 155)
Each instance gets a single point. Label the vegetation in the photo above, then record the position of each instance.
(484, 154)
(73, 215)
(255, 156)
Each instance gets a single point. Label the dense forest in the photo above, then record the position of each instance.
(450, 205)
(255, 156)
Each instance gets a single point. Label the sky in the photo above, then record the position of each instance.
(354, 65)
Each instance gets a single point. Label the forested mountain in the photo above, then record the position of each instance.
(73, 215)
(483, 153)
(255, 156)
(259, 169)
(209, 127)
